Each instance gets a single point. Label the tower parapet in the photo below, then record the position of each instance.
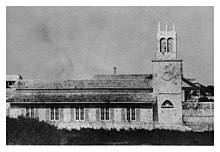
(166, 43)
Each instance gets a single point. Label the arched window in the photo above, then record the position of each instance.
(170, 45)
(163, 45)
(167, 104)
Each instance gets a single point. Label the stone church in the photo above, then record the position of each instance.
(118, 101)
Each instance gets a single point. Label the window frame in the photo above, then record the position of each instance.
(30, 112)
(167, 104)
(131, 114)
(105, 114)
(80, 114)
(54, 114)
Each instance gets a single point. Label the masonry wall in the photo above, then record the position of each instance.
(67, 114)
(167, 76)
(199, 116)
(169, 115)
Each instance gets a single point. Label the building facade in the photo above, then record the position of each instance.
(117, 101)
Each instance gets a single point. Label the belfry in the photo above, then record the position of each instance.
(166, 43)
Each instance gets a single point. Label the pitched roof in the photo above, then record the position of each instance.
(186, 84)
(83, 97)
(13, 77)
(42, 84)
(123, 77)
(100, 81)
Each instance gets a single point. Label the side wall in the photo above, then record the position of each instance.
(169, 115)
(92, 115)
(199, 117)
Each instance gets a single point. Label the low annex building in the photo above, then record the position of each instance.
(117, 101)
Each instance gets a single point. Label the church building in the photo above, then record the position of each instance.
(120, 101)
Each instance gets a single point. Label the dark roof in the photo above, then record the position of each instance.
(42, 84)
(188, 84)
(99, 82)
(123, 77)
(118, 88)
(83, 97)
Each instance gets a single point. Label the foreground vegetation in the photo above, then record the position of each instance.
(25, 131)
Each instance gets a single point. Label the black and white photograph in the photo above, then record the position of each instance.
(110, 75)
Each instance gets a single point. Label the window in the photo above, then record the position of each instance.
(104, 113)
(80, 114)
(131, 114)
(167, 104)
(163, 45)
(30, 112)
(54, 113)
(169, 45)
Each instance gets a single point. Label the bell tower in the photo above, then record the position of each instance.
(167, 78)
(166, 43)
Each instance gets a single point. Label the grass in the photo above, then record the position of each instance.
(25, 131)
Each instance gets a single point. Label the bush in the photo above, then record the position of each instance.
(203, 99)
(26, 131)
(31, 132)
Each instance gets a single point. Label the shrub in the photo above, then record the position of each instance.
(26, 131)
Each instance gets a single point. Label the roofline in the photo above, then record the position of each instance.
(14, 102)
(190, 83)
(189, 88)
(166, 60)
(135, 74)
(84, 88)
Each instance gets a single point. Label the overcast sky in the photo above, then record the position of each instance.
(78, 42)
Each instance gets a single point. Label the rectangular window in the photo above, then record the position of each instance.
(128, 114)
(80, 113)
(77, 113)
(27, 112)
(54, 113)
(30, 112)
(107, 114)
(51, 113)
(131, 114)
(104, 113)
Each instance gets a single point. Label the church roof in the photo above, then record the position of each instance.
(100, 83)
(100, 89)
(123, 77)
(135, 81)
(82, 98)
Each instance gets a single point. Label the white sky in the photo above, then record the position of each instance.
(78, 42)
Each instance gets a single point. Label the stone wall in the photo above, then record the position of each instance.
(144, 117)
(167, 76)
(199, 116)
(172, 115)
